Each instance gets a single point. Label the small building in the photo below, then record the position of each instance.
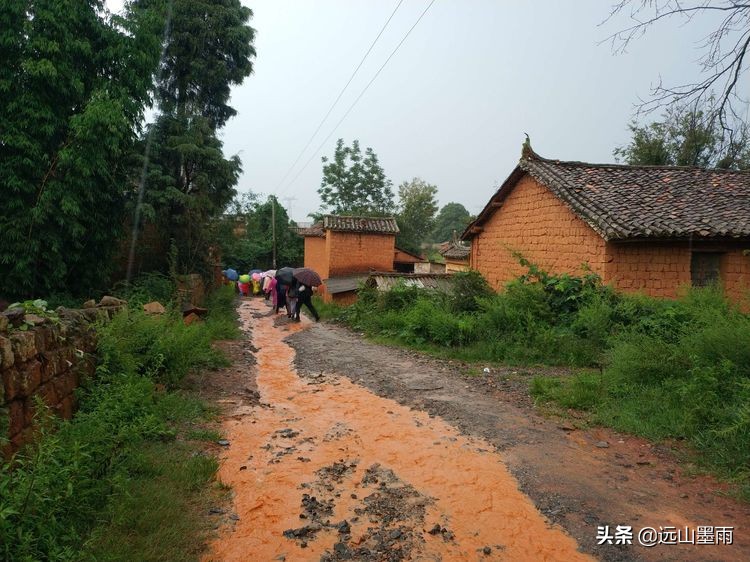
(405, 261)
(652, 229)
(456, 256)
(345, 247)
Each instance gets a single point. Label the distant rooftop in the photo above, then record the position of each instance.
(337, 223)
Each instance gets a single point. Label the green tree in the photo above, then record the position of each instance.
(190, 182)
(210, 49)
(74, 83)
(452, 217)
(416, 213)
(355, 185)
(247, 235)
(685, 138)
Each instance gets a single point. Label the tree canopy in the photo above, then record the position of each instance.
(189, 181)
(685, 138)
(354, 184)
(74, 82)
(452, 217)
(416, 213)
(247, 235)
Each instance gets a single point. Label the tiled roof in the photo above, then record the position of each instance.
(456, 251)
(378, 225)
(639, 202)
(314, 230)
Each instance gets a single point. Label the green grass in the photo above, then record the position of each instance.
(126, 478)
(158, 514)
(327, 311)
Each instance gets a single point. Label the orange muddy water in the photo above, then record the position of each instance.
(324, 469)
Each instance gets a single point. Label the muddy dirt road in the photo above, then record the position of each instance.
(354, 451)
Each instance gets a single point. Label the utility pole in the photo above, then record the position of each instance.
(273, 227)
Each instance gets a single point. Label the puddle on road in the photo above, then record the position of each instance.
(329, 471)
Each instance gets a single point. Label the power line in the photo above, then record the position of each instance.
(341, 93)
(314, 154)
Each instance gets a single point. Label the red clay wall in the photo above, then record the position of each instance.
(535, 223)
(315, 255)
(351, 252)
(735, 275)
(663, 269)
(658, 270)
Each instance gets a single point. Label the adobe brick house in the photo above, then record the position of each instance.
(653, 229)
(341, 247)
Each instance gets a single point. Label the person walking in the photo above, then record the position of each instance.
(292, 294)
(304, 296)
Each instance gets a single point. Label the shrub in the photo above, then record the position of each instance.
(106, 465)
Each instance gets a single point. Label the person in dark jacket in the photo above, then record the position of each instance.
(304, 296)
(280, 295)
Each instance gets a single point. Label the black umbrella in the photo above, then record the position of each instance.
(285, 275)
(307, 276)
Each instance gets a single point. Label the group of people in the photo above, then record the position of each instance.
(286, 293)
(290, 296)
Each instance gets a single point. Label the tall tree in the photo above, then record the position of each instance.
(190, 182)
(74, 83)
(354, 184)
(724, 60)
(452, 217)
(685, 138)
(416, 213)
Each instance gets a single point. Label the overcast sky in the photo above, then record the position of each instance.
(452, 105)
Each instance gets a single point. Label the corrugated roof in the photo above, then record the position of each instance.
(639, 202)
(378, 225)
(336, 285)
(387, 281)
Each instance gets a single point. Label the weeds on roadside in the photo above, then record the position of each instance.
(122, 480)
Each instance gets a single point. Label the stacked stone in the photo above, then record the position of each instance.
(47, 360)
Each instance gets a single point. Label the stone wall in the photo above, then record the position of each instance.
(47, 360)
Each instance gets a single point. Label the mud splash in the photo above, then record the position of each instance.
(326, 470)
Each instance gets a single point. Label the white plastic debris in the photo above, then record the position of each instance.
(486, 369)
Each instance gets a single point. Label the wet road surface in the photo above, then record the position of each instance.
(326, 470)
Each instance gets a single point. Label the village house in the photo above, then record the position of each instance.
(456, 256)
(342, 249)
(654, 229)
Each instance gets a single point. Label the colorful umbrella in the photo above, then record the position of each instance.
(244, 278)
(255, 271)
(307, 276)
(231, 274)
(285, 275)
(256, 276)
